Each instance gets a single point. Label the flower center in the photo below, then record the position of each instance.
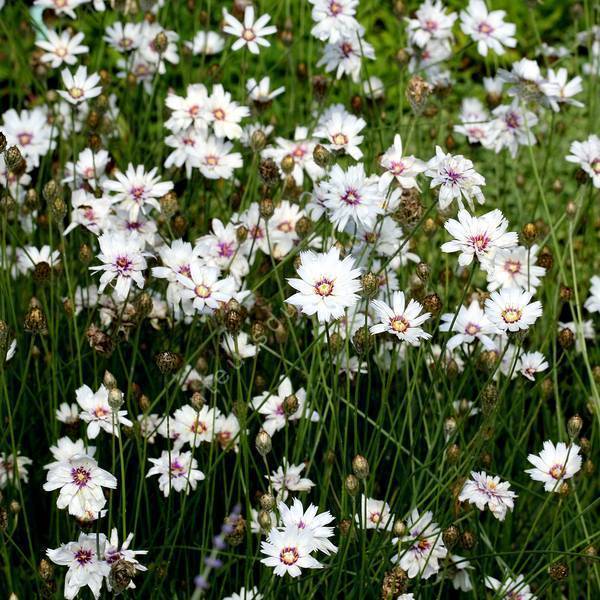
(100, 412)
(61, 3)
(226, 249)
(480, 242)
(126, 43)
(80, 477)
(557, 471)
(202, 291)
(431, 25)
(289, 556)
(335, 8)
(399, 324)
(76, 92)
(211, 160)
(83, 556)
(324, 287)
(24, 139)
(512, 120)
(472, 329)
(61, 51)
(375, 517)
(177, 469)
(198, 427)
(346, 49)
(512, 266)
(219, 114)
(595, 164)
(193, 110)
(351, 197)
(511, 315)
(423, 545)
(453, 176)
(122, 263)
(285, 227)
(339, 139)
(298, 152)
(248, 35)
(397, 167)
(485, 28)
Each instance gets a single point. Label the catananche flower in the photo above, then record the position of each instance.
(123, 37)
(341, 130)
(67, 413)
(246, 594)
(345, 56)
(458, 571)
(511, 309)
(122, 259)
(227, 430)
(485, 490)
(593, 301)
(215, 159)
(469, 324)
(554, 464)
(250, 33)
(421, 549)
(374, 514)
(479, 237)
(288, 552)
(136, 190)
(79, 86)
(586, 154)
(456, 177)
(515, 268)
(529, 84)
(311, 521)
(271, 405)
(61, 7)
(185, 144)
(327, 285)
(203, 290)
(189, 111)
(260, 91)
(431, 23)
(30, 256)
(487, 28)
(474, 119)
(114, 552)
(80, 481)
(194, 426)
(404, 169)
(530, 363)
(224, 114)
(566, 89)
(86, 568)
(334, 19)
(401, 319)
(510, 589)
(582, 330)
(11, 473)
(62, 48)
(206, 42)
(176, 470)
(288, 478)
(510, 128)
(67, 450)
(97, 412)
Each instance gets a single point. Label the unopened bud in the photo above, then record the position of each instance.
(352, 485)
(574, 425)
(370, 285)
(263, 442)
(360, 466)
(321, 156)
(115, 398)
(109, 380)
(290, 405)
(267, 502)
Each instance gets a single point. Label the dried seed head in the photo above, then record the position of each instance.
(468, 540)
(179, 225)
(13, 159)
(2, 142)
(51, 191)
(42, 272)
(258, 140)
(303, 226)
(169, 204)
(545, 259)
(160, 42)
(410, 209)
(352, 485)
(345, 527)
(450, 536)
(360, 466)
(335, 343)
(565, 293)
(432, 303)
(238, 533)
(529, 232)
(362, 339)
(3, 519)
(32, 201)
(370, 285)
(85, 254)
(417, 93)
(168, 362)
(35, 321)
(241, 234)
(450, 427)
(566, 338)
(268, 171)
(321, 156)
(267, 208)
(46, 569)
(423, 271)
(590, 553)
(115, 398)
(264, 520)
(57, 209)
(263, 442)
(394, 583)
(320, 83)
(489, 398)
(585, 445)
(453, 454)
(558, 571)
(121, 574)
(267, 502)
(290, 405)
(574, 425)
(109, 380)
(100, 341)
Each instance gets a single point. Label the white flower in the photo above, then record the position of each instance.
(288, 478)
(79, 86)
(98, 414)
(272, 406)
(203, 291)
(207, 43)
(459, 573)
(122, 259)
(123, 37)
(529, 84)
(90, 212)
(310, 521)
(32, 256)
(11, 473)
(586, 154)
(89, 168)
(194, 426)
(351, 196)
(334, 19)
(227, 431)
(593, 302)
(431, 24)
(67, 450)
(510, 128)
(474, 118)
(61, 48)
(67, 413)
(469, 324)
(404, 169)
(425, 546)
(341, 130)
(566, 89)
(61, 7)
(582, 331)
(149, 52)
(189, 110)
(244, 594)
(485, 490)
(251, 33)
(511, 309)
(510, 589)
(486, 28)
(224, 114)
(554, 464)
(260, 92)
(479, 237)
(456, 177)
(402, 320)
(327, 285)
(80, 481)
(288, 551)
(186, 144)
(215, 159)
(135, 190)
(515, 268)
(374, 514)
(345, 56)
(86, 568)
(530, 363)
(239, 347)
(179, 473)
(113, 553)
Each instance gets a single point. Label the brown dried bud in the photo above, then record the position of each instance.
(109, 381)
(335, 343)
(356, 103)
(267, 208)
(287, 164)
(399, 528)
(489, 398)
(566, 338)
(267, 502)
(590, 553)
(258, 140)
(370, 285)
(42, 272)
(51, 191)
(35, 321)
(320, 83)
(115, 399)
(2, 142)
(529, 232)
(169, 204)
(362, 339)
(3, 519)
(303, 226)
(360, 466)
(545, 259)
(581, 176)
(32, 201)
(352, 485)
(290, 405)
(179, 225)
(432, 303)
(410, 209)
(160, 42)
(100, 341)
(585, 445)
(588, 467)
(237, 535)
(121, 574)
(558, 571)
(557, 186)
(168, 362)
(574, 425)
(450, 536)
(46, 569)
(394, 583)
(565, 293)
(423, 271)
(450, 427)
(345, 527)
(417, 93)
(85, 254)
(13, 159)
(268, 171)
(468, 540)
(57, 209)
(321, 156)
(263, 442)
(453, 454)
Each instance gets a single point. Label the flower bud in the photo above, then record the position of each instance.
(399, 528)
(120, 575)
(352, 485)
(263, 442)
(321, 156)
(258, 140)
(370, 285)
(264, 520)
(453, 454)
(290, 405)
(558, 571)
(160, 42)
(168, 362)
(115, 398)
(109, 380)
(266, 208)
(450, 427)
(268, 171)
(360, 466)
(451, 536)
(566, 338)
(468, 540)
(267, 502)
(417, 93)
(287, 164)
(574, 425)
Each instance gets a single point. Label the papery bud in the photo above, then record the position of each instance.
(109, 381)
(360, 466)
(168, 362)
(263, 442)
(290, 405)
(399, 528)
(266, 208)
(321, 156)
(264, 520)
(267, 502)
(352, 485)
(558, 571)
(451, 536)
(258, 140)
(574, 425)
(370, 285)
(115, 398)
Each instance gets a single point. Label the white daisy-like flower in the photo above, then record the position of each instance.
(470, 324)
(123, 37)
(61, 7)
(67, 413)
(224, 115)
(430, 24)
(345, 56)
(327, 286)
(62, 48)
(334, 19)
(510, 589)
(582, 330)
(246, 594)
(554, 464)
(374, 514)
(215, 159)
(13, 471)
(193, 426)
(529, 83)
(189, 110)
(250, 33)
(288, 552)
(207, 43)
(593, 301)
(530, 363)
(456, 178)
(421, 549)
(510, 128)
(85, 561)
(227, 431)
(401, 319)
(479, 237)
(341, 130)
(566, 89)
(177, 471)
(404, 169)
(81, 482)
(238, 346)
(515, 268)
(97, 412)
(122, 259)
(511, 309)
(487, 28)
(586, 154)
(79, 87)
(288, 478)
(486, 490)
(260, 91)
(113, 552)
(203, 289)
